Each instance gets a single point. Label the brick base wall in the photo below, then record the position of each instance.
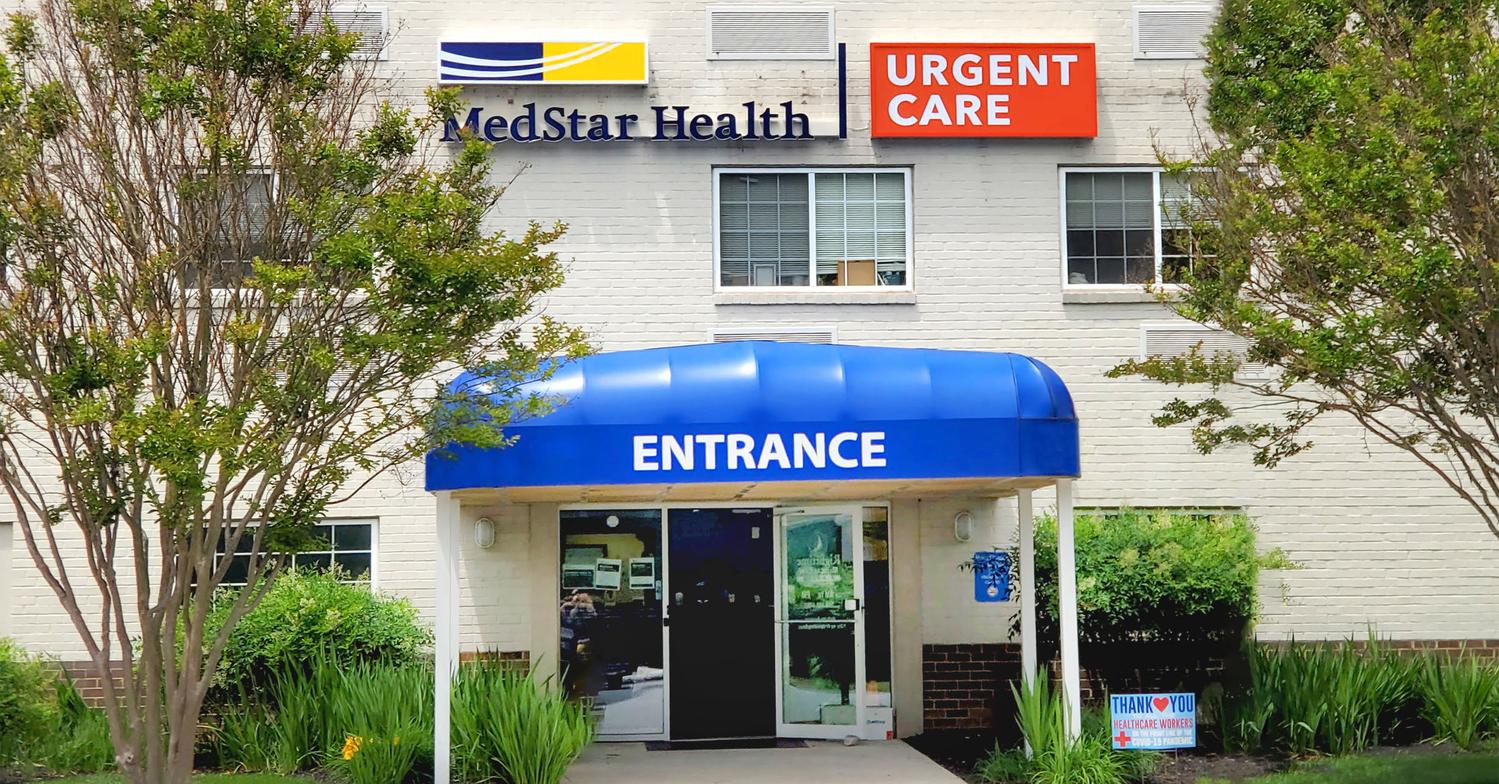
(89, 685)
(965, 686)
(962, 684)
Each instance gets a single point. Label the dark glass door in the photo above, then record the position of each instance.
(720, 585)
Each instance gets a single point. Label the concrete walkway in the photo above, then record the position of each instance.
(821, 762)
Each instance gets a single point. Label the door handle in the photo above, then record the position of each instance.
(852, 605)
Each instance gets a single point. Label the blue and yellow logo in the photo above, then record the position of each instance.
(549, 62)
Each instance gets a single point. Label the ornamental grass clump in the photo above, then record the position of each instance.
(1332, 698)
(509, 726)
(1049, 758)
(1460, 698)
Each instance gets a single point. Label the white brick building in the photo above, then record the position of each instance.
(974, 256)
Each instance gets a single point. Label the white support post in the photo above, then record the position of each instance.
(1067, 600)
(1027, 528)
(445, 633)
(1026, 525)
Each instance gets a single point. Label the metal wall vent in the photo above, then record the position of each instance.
(371, 22)
(1172, 32)
(770, 33)
(1160, 340)
(810, 335)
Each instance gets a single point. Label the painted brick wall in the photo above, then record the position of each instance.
(1378, 541)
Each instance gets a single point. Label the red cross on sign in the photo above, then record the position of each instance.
(1122, 739)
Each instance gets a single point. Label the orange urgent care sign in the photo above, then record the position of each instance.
(983, 90)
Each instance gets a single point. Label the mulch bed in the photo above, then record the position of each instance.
(1183, 768)
(961, 750)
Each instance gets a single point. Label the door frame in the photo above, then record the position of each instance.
(855, 511)
(774, 507)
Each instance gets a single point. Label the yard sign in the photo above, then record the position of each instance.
(1153, 721)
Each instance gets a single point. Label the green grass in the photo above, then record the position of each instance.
(1419, 768)
(201, 778)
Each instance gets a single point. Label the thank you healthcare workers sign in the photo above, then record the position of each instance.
(1153, 721)
(983, 90)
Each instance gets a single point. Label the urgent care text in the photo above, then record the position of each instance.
(983, 90)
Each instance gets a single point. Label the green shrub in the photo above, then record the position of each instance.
(509, 726)
(1461, 699)
(44, 722)
(1155, 575)
(28, 707)
(307, 615)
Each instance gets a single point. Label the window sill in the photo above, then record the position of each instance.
(814, 298)
(1107, 295)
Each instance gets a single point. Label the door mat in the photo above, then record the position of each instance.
(738, 743)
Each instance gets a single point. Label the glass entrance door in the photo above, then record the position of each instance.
(820, 621)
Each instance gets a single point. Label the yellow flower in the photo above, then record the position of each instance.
(396, 741)
(351, 746)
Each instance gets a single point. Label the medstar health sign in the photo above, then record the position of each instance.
(1153, 721)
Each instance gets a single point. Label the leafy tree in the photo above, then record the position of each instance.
(234, 273)
(1345, 226)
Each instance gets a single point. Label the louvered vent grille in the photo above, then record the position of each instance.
(336, 379)
(781, 336)
(1162, 341)
(370, 22)
(1172, 32)
(770, 33)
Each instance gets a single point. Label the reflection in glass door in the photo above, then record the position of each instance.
(611, 655)
(820, 621)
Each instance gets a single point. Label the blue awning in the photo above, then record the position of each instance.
(776, 412)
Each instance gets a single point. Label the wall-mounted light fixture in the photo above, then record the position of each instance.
(962, 526)
(484, 533)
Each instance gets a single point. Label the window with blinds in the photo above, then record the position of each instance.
(232, 218)
(813, 228)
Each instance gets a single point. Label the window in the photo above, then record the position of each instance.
(348, 544)
(233, 219)
(1124, 227)
(780, 228)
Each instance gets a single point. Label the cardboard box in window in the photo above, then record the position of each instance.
(857, 272)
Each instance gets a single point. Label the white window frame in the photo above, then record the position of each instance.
(811, 171)
(1155, 192)
(374, 573)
